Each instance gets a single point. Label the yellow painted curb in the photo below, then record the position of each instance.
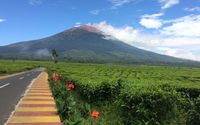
(40, 119)
(38, 97)
(35, 109)
(38, 102)
(41, 92)
(43, 88)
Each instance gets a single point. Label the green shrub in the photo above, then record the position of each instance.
(147, 107)
(193, 113)
(3, 71)
(193, 118)
(190, 92)
(103, 92)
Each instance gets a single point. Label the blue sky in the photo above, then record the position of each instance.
(170, 27)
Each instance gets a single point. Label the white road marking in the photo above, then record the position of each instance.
(21, 78)
(4, 85)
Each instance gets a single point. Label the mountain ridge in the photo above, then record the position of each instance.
(85, 44)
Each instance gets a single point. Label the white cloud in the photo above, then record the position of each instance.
(2, 20)
(43, 53)
(182, 37)
(182, 47)
(77, 24)
(118, 3)
(151, 21)
(193, 9)
(156, 15)
(180, 53)
(94, 12)
(128, 34)
(35, 2)
(181, 41)
(168, 3)
(187, 26)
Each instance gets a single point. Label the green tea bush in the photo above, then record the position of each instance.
(145, 106)
(193, 113)
(98, 93)
(3, 71)
(193, 118)
(190, 92)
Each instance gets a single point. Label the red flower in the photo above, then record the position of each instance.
(55, 78)
(95, 114)
(68, 82)
(61, 76)
(71, 86)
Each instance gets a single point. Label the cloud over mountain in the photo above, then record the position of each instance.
(180, 34)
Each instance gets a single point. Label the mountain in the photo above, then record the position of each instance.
(84, 44)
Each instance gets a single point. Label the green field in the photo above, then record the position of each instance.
(138, 75)
(122, 94)
(136, 94)
(14, 66)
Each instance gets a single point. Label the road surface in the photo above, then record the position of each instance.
(12, 89)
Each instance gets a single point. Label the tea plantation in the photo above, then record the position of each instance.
(129, 95)
(109, 94)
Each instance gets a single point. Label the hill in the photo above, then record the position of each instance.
(85, 44)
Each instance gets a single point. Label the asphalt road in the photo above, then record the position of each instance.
(12, 89)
